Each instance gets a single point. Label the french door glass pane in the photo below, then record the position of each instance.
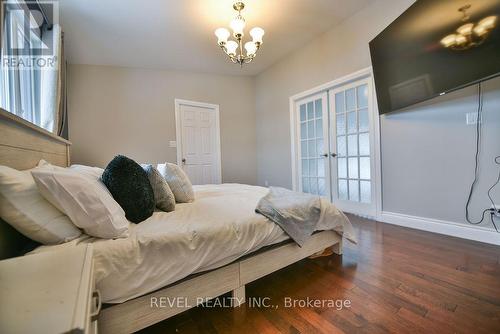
(305, 184)
(341, 124)
(354, 190)
(310, 110)
(313, 167)
(364, 144)
(303, 149)
(319, 127)
(321, 170)
(363, 120)
(342, 167)
(339, 103)
(320, 146)
(318, 108)
(362, 95)
(353, 168)
(364, 168)
(303, 115)
(305, 167)
(312, 149)
(314, 185)
(310, 129)
(365, 191)
(350, 99)
(352, 145)
(351, 122)
(322, 186)
(341, 146)
(342, 189)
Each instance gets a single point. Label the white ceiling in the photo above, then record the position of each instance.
(179, 34)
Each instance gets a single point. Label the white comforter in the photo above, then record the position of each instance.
(217, 228)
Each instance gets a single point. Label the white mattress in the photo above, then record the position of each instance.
(217, 228)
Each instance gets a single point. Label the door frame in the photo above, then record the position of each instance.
(375, 128)
(178, 131)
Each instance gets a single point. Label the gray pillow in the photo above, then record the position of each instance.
(164, 198)
(178, 182)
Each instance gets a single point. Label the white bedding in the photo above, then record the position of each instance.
(217, 228)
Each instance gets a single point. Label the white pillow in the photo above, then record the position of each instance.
(178, 181)
(23, 207)
(85, 199)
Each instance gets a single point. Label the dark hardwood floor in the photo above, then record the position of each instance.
(397, 280)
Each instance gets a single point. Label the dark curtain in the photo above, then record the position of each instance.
(63, 95)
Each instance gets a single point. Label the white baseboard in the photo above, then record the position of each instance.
(476, 233)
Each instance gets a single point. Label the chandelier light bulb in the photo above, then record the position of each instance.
(488, 22)
(231, 47)
(222, 35)
(466, 29)
(238, 24)
(257, 34)
(251, 48)
(480, 30)
(448, 40)
(460, 39)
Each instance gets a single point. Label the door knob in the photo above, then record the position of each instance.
(325, 155)
(334, 155)
(183, 160)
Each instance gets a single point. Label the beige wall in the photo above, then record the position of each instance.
(427, 151)
(117, 110)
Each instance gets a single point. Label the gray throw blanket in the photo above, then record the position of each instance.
(296, 213)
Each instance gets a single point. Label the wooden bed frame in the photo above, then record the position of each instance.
(23, 144)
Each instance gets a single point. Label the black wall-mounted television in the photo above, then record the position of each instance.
(415, 59)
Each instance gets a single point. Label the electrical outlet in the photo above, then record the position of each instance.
(266, 183)
(497, 212)
(172, 143)
(471, 118)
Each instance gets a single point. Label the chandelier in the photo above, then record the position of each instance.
(234, 49)
(469, 34)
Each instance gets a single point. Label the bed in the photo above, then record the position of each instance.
(218, 243)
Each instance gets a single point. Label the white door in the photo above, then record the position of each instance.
(198, 141)
(313, 156)
(352, 147)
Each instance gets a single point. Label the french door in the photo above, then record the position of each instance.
(351, 138)
(336, 145)
(312, 127)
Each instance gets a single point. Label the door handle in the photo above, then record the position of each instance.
(325, 155)
(183, 160)
(333, 155)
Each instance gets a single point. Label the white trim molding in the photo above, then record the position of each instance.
(476, 233)
(178, 132)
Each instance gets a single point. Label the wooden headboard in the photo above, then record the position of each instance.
(22, 145)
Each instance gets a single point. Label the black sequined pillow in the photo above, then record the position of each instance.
(129, 185)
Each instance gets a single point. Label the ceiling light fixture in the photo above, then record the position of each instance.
(469, 34)
(235, 49)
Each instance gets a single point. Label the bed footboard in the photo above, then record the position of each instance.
(152, 308)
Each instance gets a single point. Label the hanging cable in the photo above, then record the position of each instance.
(476, 159)
(476, 168)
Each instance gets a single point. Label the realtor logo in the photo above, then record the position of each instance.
(30, 33)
